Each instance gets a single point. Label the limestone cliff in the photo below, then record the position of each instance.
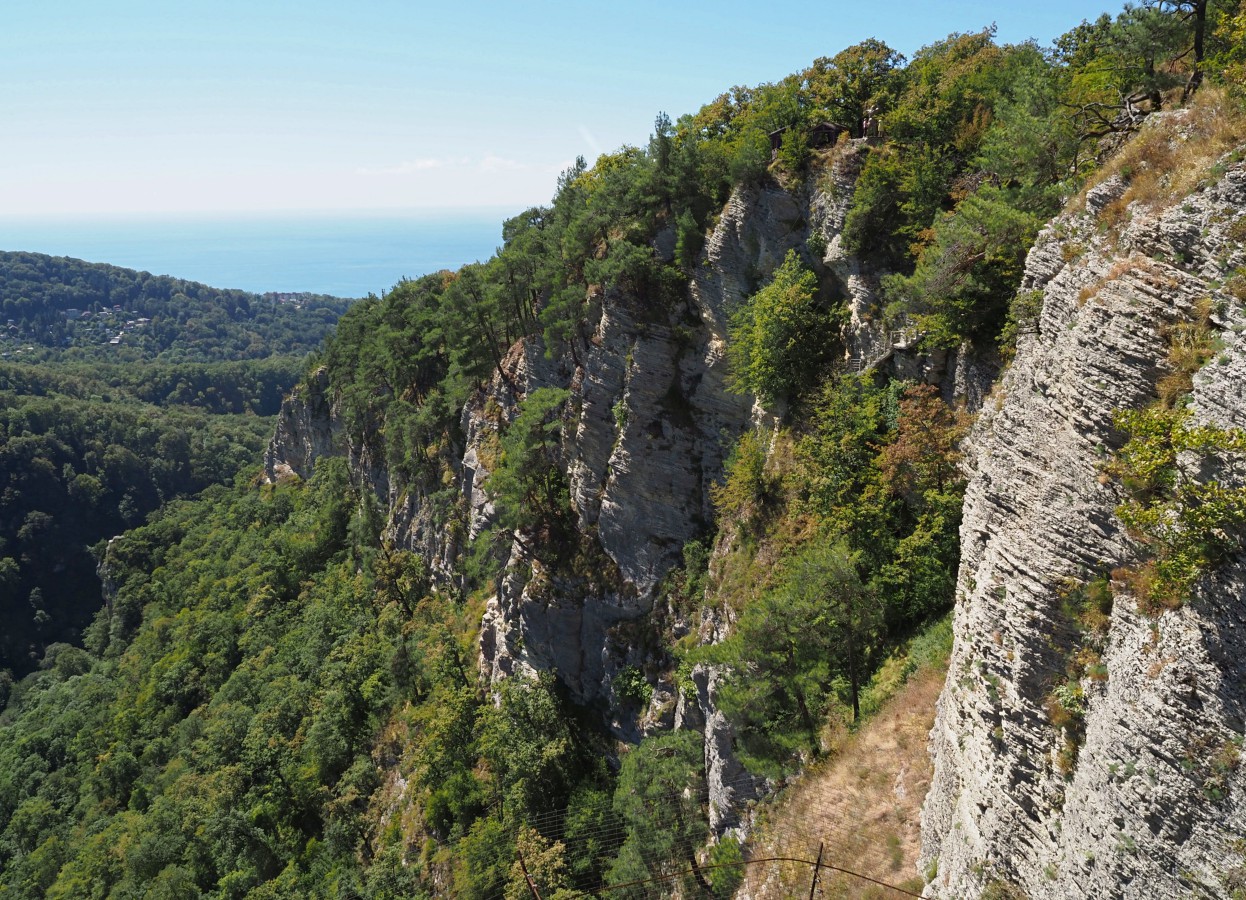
(646, 428)
(645, 433)
(307, 429)
(1131, 812)
(650, 422)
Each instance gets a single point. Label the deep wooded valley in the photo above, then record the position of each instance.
(624, 563)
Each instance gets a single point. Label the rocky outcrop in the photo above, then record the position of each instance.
(649, 421)
(868, 338)
(1153, 802)
(648, 427)
(104, 570)
(870, 341)
(728, 785)
(307, 429)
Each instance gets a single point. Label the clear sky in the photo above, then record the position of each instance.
(128, 106)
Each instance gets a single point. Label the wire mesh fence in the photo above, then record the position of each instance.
(814, 856)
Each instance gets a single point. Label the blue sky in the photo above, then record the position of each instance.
(141, 107)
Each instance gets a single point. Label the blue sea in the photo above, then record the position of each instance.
(343, 254)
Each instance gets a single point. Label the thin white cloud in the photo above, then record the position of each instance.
(493, 163)
(412, 166)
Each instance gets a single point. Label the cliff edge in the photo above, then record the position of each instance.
(1096, 763)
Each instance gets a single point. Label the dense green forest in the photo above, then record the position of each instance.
(95, 435)
(76, 470)
(59, 302)
(277, 702)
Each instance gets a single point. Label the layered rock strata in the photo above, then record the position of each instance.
(1150, 800)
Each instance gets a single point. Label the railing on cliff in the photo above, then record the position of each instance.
(861, 363)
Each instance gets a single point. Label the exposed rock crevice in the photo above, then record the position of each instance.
(646, 430)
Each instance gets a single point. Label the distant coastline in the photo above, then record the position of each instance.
(347, 254)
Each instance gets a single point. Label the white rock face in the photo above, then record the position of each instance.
(728, 784)
(1136, 817)
(307, 429)
(649, 424)
(866, 333)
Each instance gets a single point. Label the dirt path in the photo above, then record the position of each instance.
(863, 806)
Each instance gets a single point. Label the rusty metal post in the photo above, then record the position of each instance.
(817, 870)
(531, 886)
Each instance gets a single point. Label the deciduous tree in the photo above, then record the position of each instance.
(782, 337)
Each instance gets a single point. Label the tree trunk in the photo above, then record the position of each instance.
(1198, 9)
(699, 875)
(852, 674)
(805, 715)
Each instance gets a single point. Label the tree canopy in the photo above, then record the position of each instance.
(277, 700)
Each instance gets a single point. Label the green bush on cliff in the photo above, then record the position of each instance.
(818, 622)
(968, 273)
(527, 484)
(781, 338)
(1186, 525)
(856, 549)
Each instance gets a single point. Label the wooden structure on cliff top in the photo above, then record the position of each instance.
(824, 134)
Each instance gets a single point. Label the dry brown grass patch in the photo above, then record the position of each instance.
(1141, 267)
(1144, 583)
(863, 804)
(1235, 287)
(1173, 154)
(1190, 345)
(1160, 665)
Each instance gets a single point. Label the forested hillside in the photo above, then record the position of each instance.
(57, 302)
(564, 563)
(119, 391)
(78, 470)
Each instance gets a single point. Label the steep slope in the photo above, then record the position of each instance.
(646, 428)
(862, 805)
(1131, 788)
(649, 421)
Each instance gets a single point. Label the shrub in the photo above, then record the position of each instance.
(1023, 314)
(747, 485)
(528, 487)
(779, 338)
(630, 685)
(1185, 526)
(967, 274)
(1190, 345)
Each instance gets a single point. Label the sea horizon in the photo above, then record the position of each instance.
(342, 253)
